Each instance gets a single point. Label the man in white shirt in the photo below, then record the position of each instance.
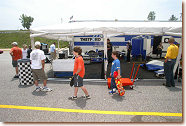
(37, 58)
(53, 51)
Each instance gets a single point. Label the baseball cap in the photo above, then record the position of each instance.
(37, 43)
(14, 43)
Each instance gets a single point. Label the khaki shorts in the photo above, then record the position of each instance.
(39, 74)
(53, 55)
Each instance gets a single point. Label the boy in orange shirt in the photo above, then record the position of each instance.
(79, 72)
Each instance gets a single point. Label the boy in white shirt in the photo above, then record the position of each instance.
(37, 58)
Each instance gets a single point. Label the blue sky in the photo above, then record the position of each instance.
(47, 12)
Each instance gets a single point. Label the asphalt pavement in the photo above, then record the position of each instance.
(147, 96)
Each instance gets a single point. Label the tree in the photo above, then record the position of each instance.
(26, 21)
(173, 18)
(151, 16)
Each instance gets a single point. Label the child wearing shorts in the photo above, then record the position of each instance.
(115, 67)
(79, 72)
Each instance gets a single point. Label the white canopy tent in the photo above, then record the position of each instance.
(66, 31)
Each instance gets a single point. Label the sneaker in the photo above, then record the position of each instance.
(16, 76)
(47, 89)
(88, 96)
(164, 84)
(112, 92)
(38, 89)
(73, 98)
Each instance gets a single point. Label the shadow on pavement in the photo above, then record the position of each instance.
(137, 118)
(174, 89)
(50, 74)
(80, 102)
(13, 79)
(39, 93)
(25, 86)
(117, 97)
(172, 120)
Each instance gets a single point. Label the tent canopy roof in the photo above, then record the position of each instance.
(66, 31)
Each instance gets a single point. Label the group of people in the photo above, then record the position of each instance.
(37, 58)
(109, 51)
(18, 53)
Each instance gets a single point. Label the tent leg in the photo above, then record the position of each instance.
(178, 58)
(57, 49)
(58, 44)
(32, 42)
(105, 54)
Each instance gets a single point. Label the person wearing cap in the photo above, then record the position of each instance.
(37, 58)
(170, 60)
(16, 54)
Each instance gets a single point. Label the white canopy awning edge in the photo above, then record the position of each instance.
(61, 36)
(173, 34)
(108, 29)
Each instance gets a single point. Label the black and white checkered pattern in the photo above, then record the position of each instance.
(25, 73)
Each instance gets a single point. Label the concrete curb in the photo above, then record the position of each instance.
(5, 49)
(99, 80)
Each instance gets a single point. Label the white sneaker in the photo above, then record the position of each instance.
(47, 89)
(38, 89)
(88, 96)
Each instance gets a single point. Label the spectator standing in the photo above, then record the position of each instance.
(24, 52)
(53, 51)
(159, 48)
(129, 48)
(172, 53)
(29, 50)
(16, 54)
(37, 58)
(109, 50)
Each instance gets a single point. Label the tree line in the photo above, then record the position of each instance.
(152, 16)
(27, 21)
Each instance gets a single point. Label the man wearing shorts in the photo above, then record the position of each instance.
(53, 51)
(37, 58)
(79, 72)
(16, 54)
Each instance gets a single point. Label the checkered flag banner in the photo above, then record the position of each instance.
(25, 72)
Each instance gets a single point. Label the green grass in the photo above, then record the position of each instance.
(23, 38)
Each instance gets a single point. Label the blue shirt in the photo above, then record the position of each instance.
(52, 48)
(115, 66)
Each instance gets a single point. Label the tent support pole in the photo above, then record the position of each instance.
(32, 42)
(178, 58)
(71, 46)
(105, 53)
(58, 48)
(58, 44)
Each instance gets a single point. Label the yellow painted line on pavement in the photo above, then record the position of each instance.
(91, 111)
